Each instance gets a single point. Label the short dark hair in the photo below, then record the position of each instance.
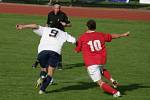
(91, 24)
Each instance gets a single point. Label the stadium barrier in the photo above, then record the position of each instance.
(70, 1)
(126, 1)
(134, 4)
(145, 1)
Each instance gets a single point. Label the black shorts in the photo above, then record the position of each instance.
(47, 58)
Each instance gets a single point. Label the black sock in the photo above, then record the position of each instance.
(46, 83)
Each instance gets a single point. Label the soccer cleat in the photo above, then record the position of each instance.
(41, 92)
(60, 67)
(39, 82)
(117, 94)
(115, 84)
(35, 64)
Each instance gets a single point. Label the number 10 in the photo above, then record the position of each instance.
(95, 45)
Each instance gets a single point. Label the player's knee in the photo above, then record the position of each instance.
(100, 82)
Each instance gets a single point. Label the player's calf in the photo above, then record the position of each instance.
(45, 83)
(108, 76)
(107, 88)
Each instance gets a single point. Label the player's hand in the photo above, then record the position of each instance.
(63, 23)
(126, 34)
(19, 26)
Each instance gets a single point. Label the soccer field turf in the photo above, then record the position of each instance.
(128, 62)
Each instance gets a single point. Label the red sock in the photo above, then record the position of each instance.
(108, 88)
(106, 74)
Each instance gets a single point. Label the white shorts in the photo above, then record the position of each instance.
(94, 72)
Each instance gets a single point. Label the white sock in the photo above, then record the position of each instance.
(112, 80)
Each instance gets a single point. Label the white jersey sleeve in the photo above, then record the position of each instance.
(70, 38)
(39, 31)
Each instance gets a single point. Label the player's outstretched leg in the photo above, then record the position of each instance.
(108, 76)
(94, 72)
(45, 84)
(107, 88)
(47, 80)
(43, 75)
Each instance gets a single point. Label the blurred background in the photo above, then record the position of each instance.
(90, 3)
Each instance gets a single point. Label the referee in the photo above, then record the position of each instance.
(49, 50)
(58, 19)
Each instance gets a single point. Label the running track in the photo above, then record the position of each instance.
(124, 14)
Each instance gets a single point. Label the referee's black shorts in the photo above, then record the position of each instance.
(47, 58)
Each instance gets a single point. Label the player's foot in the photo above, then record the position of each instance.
(39, 82)
(115, 84)
(60, 67)
(41, 92)
(35, 64)
(117, 94)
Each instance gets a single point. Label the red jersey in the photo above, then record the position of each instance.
(92, 46)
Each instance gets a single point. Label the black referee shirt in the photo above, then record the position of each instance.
(54, 20)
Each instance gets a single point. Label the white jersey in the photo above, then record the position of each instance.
(52, 39)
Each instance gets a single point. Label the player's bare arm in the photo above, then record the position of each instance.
(78, 46)
(114, 36)
(27, 26)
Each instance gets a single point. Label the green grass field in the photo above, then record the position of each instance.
(128, 62)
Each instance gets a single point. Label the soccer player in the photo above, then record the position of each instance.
(57, 19)
(49, 50)
(92, 46)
